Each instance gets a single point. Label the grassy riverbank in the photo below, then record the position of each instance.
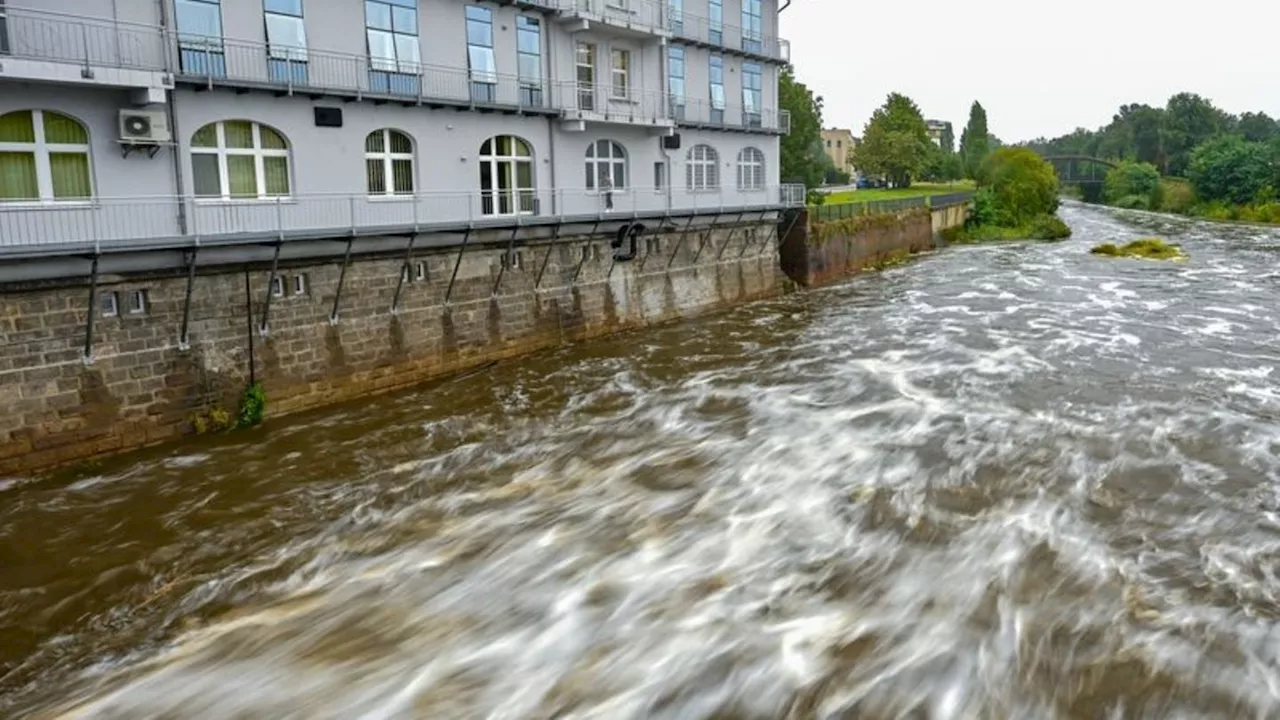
(916, 190)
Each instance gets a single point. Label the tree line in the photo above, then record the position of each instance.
(1231, 163)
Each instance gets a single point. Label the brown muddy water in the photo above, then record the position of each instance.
(1011, 481)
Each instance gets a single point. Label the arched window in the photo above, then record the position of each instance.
(388, 160)
(702, 171)
(506, 177)
(239, 159)
(606, 166)
(750, 169)
(44, 155)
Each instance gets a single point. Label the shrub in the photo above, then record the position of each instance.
(986, 210)
(1175, 196)
(1230, 169)
(1109, 249)
(1024, 184)
(1133, 202)
(1049, 227)
(1131, 179)
(813, 197)
(1268, 213)
(253, 405)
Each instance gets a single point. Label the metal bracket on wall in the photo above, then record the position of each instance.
(404, 273)
(680, 242)
(342, 276)
(703, 238)
(263, 328)
(583, 259)
(555, 237)
(183, 338)
(506, 260)
(732, 231)
(93, 311)
(748, 246)
(456, 264)
(656, 232)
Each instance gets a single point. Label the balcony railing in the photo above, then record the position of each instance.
(698, 29)
(643, 16)
(153, 221)
(41, 35)
(605, 103)
(704, 113)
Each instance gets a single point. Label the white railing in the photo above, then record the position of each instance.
(701, 29)
(729, 115)
(604, 103)
(641, 15)
(42, 35)
(793, 194)
(107, 222)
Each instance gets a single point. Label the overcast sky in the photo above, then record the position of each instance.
(1038, 67)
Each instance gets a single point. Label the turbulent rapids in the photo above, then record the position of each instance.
(1002, 481)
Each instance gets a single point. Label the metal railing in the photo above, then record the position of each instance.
(143, 221)
(640, 15)
(43, 35)
(604, 103)
(841, 211)
(701, 29)
(729, 116)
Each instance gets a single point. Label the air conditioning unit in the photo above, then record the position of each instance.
(144, 127)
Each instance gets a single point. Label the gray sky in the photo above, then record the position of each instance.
(1039, 68)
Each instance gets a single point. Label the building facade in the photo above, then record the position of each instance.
(147, 122)
(941, 133)
(839, 144)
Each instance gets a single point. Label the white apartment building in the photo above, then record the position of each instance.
(155, 122)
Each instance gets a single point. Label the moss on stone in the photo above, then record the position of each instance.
(1145, 248)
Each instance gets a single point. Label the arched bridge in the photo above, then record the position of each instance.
(1080, 169)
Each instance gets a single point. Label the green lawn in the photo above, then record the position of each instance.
(917, 190)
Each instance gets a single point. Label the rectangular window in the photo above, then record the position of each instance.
(480, 60)
(715, 34)
(137, 302)
(286, 41)
(659, 176)
(675, 16)
(716, 74)
(529, 60)
(277, 286)
(675, 81)
(752, 89)
(199, 24)
(585, 62)
(4, 31)
(420, 272)
(752, 26)
(395, 60)
(300, 284)
(621, 74)
(110, 304)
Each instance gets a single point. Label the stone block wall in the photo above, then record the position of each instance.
(144, 387)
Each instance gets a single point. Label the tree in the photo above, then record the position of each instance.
(1257, 127)
(895, 142)
(1228, 168)
(1024, 185)
(803, 159)
(975, 141)
(1132, 184)
(1189, 120)
(948, 140)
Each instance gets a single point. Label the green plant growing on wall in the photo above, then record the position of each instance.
(253, 406)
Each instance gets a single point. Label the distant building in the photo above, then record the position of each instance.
(941, 133)
(839, 144)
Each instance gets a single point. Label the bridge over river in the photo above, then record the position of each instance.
(1000, 481)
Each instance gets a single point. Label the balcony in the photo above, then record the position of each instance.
(638, 18)
(703, 114)
(55, 47)
(583, 103)
(137, 223)
(214, 62)
(729, 39)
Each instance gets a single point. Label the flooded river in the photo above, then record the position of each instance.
(1010, 481)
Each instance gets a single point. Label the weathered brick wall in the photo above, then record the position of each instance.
(143, 388)
(815, 254)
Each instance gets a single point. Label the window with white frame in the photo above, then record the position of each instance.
(752, 93)
(702, 168)
(716, 75)
(752, 25)
(506, 177)
(606, 166)
(395, 58)
(659, 176)
(675, 81)
(750, 169)
(286, 41)
(277, 286)
(715, 31)
(584, 60)
(44, 156)
(675, 15)
(480, 60)
(621, 69)
(529, 59)
(388, 160)
(110, 304)
(236, 159)
(137, 302)
(300, 284)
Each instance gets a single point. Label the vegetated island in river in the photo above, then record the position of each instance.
(1016, 200)
(1145, 248)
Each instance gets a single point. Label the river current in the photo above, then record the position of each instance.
(1005, 481)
